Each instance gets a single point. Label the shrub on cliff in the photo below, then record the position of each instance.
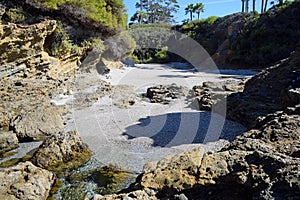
(109, 12)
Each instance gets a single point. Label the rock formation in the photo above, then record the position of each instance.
(38, 124)
(209, 94)
(62, 152)
(165, 93)
(25, 181)
(263, 163)
(8, 141)
(271, 90)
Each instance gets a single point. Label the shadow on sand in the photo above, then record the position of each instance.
(173, 129)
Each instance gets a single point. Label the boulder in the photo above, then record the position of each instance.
(165, 93)
(62, 152)
(172, 173)
(38, 124)
(25, 181)
(135, 195)
(8, 141)
(211, 94)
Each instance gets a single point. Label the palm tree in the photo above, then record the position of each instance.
(247, 6)
(198, 8)
(262, 6)
(266, 5)
(243, 5)
(190, 9)
(254, 5)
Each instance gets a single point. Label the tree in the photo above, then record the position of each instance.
(156, 11)
(247, 6)
(262, 6)
(198, 8)
(190, 10)
(141, 15)
(243, 5)
(266, 5)
(254, 5)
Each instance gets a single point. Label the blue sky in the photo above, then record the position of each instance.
(212, 7)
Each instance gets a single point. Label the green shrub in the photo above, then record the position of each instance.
(111, 13)
(14, 15)
(60, 44)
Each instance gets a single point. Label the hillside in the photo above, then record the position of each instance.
(81, 19)
(247, 39)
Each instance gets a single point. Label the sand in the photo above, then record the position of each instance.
(146, 131)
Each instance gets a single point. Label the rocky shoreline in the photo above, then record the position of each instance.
(263, 163)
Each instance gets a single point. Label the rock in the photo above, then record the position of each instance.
(86, 99)
(279, 133)
(2, 11)
(263, 163)
(173, 173)
(290, 97)
(62, 152)
(124, 96)
(38, 124)
(267, 92)
(24, 40)
(165, 93)
(135, 195)
(8, 141)
(211, 94)
(25, 181)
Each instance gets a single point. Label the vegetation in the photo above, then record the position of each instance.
(155, 11)
(194, 8)
(109, 12)
(194, 28)
(14, 15)
(15, 161)
(151, 42)
(264, 5)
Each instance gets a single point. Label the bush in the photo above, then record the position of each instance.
(14, 15)
(111, 13)
(58, 44)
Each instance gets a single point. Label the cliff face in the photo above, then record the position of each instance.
(29, 76)
(244, 40)
(75, 21)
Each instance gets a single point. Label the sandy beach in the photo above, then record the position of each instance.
(146, 131)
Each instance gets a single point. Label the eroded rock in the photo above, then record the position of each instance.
(165, 93)
(38, 124)
(8, 141)
(62, 152)
(172, 173)
(25, 181)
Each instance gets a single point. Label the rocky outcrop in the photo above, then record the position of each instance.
(25, 181)
(38, 124)
(165, 93)
(22, 49)
(172, 173)
(138, 195)
(62, 152)
(271, 90)
(8, 141)
(20, 42)
(261, 164)
(209, 94)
